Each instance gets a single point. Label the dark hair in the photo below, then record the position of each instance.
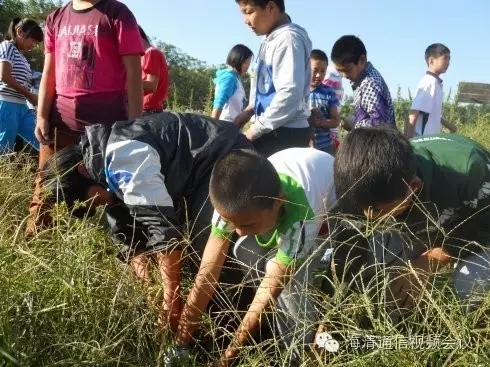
(143, 34)
(30, 28)
(237, 56)
(244, 180)
(263, 3)
(348, 49)
(319, 55)
(436, 50)
(62, 181)
(372, 166)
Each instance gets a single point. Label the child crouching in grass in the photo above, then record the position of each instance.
(427, 199)
(277, 206)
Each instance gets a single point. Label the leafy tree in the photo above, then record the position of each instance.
(34, 9)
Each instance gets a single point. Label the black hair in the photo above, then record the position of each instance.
(436, 50)
(348, 49)
(319, 55)
(263, 3)
(143, 34)
(242, 181)
(62, 181)
(237, 56)
(30, 28)
(373, 166)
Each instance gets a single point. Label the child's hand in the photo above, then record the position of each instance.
(315, 117)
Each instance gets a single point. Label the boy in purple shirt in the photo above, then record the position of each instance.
(372, 99)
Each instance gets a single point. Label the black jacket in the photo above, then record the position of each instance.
(151, 165)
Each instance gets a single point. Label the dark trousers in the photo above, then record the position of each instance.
(282, 138)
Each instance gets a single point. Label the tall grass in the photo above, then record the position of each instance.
(66, 301)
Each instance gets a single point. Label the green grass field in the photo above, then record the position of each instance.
(66, 301)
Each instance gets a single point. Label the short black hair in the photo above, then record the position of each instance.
(238, 55)
(143, 34)
(348, 49)
(436, 50)
(244, 180)
(373, 166)
(317, 54)
(30, 28)
(262, 3)
(61, 180)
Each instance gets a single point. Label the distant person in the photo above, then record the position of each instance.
(426, 112)
(333, 79)
(16, 118)
(323, 104)
(91, 75)
(372, 99)
(229, 94)
(155, 77)
(280, 85)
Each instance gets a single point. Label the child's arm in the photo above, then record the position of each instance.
(226, 86)
(289, 78)
(276, 277)
(317, 120)
(131, 50)
(374, 108)
(152, 63)
(422, 104)
(204, 287)
(244, 116)
(47, 91)
(132, 64)
(412, 121)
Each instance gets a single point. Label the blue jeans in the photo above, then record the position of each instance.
(16, 119)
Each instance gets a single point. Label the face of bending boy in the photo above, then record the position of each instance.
(253, 222)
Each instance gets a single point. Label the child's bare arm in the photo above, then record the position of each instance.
(47, 91)
(412, 121)
(316, 119)
(132, 64)
(244, 116)
(169, 265)
(276, 277)
(410, 282)
(204, 286)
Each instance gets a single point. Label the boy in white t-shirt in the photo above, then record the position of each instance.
(278, 208)
(425, 116)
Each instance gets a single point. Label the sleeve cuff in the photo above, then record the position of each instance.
(225, 235)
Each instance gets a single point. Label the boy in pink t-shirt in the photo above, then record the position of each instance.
(91, 75)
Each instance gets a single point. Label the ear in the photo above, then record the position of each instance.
(279, 202)
(82, 169)
(362, 60)
(416, 184)
(271, 5)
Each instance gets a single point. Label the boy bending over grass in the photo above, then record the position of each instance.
(277, 207)
(153, 176)
(435, 191)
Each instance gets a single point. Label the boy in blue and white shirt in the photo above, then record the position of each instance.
(323, 103)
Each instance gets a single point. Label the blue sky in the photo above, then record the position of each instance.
(395, 33)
